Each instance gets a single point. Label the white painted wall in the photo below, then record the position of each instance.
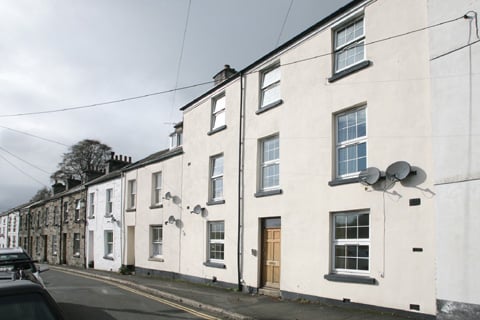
(100, 223)
(456, 147)
(145, 215)
(9, 224)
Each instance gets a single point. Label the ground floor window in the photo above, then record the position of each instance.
(54, 245)
(216, 241)
(156, 236)
(351, 242)
(108, 244)
(76, 244)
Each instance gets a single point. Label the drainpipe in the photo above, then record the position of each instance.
(60, 248)
(241, 149)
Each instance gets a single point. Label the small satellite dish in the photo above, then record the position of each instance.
(171, 219)
(369, 176)
(167, 196)
(197, 209)
(398, 171)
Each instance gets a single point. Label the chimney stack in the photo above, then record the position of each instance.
(224, 74)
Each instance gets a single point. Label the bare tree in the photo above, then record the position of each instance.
(41, 194)
(83, 157)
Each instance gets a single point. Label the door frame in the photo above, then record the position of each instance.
(267, 223)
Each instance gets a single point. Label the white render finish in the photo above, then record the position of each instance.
(9, 223)
(397, 110)
(456, 149)
(100, 222)
(138, 220)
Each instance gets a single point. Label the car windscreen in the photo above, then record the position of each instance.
(15, 258)
(26, 306)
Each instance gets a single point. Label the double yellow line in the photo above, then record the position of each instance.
(146, 295)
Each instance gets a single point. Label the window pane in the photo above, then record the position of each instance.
(219, 120)
(217, 166)
(363, 233)
(340, 251)
(351, 263)
(340, 220)
(217, 187)
(340, 262)
(352, 220)
(352, 233)
(363, 219)
(340, 233)
(271, 77)
(363, 251)
(363, 264)
(219, 104)
(270, 95)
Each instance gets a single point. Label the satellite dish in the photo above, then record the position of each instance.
(369, 176)
(167, 196)
(171, 219)
(197, 209)
(398, 170)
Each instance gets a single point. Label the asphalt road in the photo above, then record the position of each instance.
(91, 299)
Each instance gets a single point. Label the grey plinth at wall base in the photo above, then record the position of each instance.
(452, 310)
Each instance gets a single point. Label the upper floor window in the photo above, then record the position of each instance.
(351, 142)
(270, 163)
(65, 211)
(91, 208)
(156, 188)
(78, 206)
(175, 139)
(218, 112)
(132, 194)
(349, 44)
(270, 87)
(216, 178)
(46, 217)
(108, 202)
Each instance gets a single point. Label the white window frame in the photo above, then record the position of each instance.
(157, 188)
(108, 202)
(108, 244)
(91, 202)
(216, 176)
(156, 243)
(76, 244)
(54, 245)
(132, 194)
(78, 206)
(215, 241)
(270, 86)
(266, 164)
(176, 139)
(347, 144)
(351, 45)
(353, 242)
(218, 111)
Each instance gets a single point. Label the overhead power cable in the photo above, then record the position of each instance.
(210, 82)
(23, 172)
(23, 160)
(32, 135)
(284, 23)
(103, 103)
(180, 59)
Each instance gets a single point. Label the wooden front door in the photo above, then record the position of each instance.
(271, 257)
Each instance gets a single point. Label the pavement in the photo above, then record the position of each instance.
(231, 304)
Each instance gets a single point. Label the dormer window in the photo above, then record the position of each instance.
(176, 138)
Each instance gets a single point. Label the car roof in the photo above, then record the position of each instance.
(17, 286)
(12, 250)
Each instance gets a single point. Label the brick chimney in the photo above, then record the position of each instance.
(224, 74)
(58, 187)
(117, 162)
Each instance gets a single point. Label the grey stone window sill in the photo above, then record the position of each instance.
(215, 202)
(215, 265)
(350, 278)
(269, 106)
(108, 258)
(131, 210)
(339, 182)
(156, 259)
(355, 68)
(213, 131)
(156, 206)
(260, 194)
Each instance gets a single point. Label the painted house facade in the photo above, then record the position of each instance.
(9, 224)
(103, 238)
(454, 65)
(152, 205)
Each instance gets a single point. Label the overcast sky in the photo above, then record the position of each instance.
(57, 54)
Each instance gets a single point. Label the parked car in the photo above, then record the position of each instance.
(17, 260)
(25, 300)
